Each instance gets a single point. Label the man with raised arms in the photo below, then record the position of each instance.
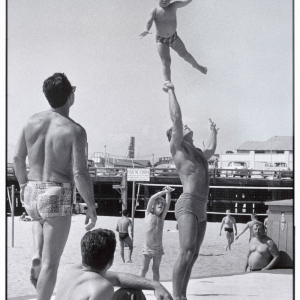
(55, 146)
(190, 209)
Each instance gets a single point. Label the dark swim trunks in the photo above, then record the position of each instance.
(168, 41)
(123, 235)
(188, 203)
(228, 229)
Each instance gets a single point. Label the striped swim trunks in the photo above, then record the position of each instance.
(168, 41)
(44, 200)
(188, 203)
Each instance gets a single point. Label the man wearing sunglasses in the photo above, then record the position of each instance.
(55, 146)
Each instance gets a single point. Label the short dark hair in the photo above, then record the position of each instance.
(124, 212)
(169, 133)
(98, 247)
(57, 89)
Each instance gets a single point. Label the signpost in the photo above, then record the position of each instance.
(136, 175)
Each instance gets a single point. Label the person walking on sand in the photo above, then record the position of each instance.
(156, 212)
(249, 226)
(91, 278)
(123, 228)
(164, 17)
(190, 209)
(55, 146)
(228, 222)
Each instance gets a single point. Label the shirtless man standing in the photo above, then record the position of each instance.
(263, 253)
(122, 227)
(190, 209)
(228, 222)
(55, 146)
(249, 226)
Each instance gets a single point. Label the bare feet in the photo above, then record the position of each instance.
(35, 271)
(129, 261)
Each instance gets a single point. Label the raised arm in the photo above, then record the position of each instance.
(223, 221)
(168, 201)
(126, 280)
(177, 129)
(179, 4)
(274, 252)
(20, 163)
(82, 176)
(247, 226)
(148, 23)
(152, 200)
(211, 143)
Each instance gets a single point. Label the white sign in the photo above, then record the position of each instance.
(138, 174)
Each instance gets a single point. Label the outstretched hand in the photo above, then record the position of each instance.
(144, 34)
(213, 126)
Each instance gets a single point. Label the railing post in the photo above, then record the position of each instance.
(13, 214)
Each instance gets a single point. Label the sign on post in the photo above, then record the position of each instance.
(138, 174)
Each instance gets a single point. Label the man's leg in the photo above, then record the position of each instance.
(56, 232)
(128, 294)
(145, 265)
(122, 244)
(164, 53)
(201, 228)
(155, 267)
(128, 241)
(179, 47)
(228, 237)
(187, 227)
(38, 240)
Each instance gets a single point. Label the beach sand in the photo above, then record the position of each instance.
(213, 259)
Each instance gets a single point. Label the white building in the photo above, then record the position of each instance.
(256, 154)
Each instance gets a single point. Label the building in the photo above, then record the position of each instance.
(257, 153)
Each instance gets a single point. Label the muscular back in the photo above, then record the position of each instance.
(49, 140)
(123, 225)
(192, 167)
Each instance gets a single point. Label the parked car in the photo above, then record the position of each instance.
(273, 169)
(236, 168)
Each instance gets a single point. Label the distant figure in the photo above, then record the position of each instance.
(55, 146)
(228, 222)
(249, 226)
(266, 224)
(123, 228)
(164, 16)
(263, 253)
(156, 212)
(90, 279)
(191, 207)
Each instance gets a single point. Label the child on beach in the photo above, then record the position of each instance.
(164, 16)
(156, 212)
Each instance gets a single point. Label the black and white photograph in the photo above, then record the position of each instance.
(150, 149)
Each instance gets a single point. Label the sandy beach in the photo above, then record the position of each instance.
(213, 259)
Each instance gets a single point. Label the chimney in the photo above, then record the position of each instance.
(131, 148)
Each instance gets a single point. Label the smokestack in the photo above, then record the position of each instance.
(131, 148)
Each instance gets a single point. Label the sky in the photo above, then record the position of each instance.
(247, 47)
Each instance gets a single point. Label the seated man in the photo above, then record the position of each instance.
(263, 253)
(91, 279)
